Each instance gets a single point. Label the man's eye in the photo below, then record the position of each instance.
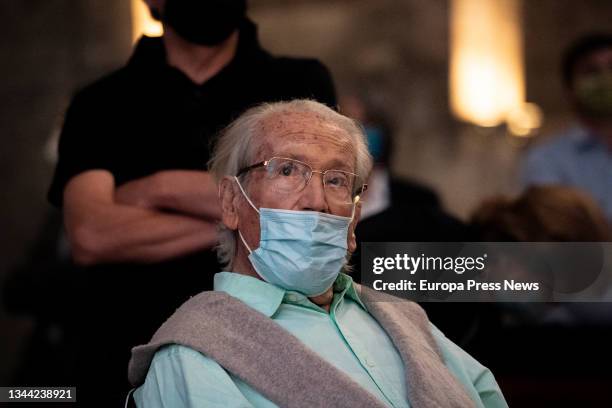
(286, 169)
(337, 181)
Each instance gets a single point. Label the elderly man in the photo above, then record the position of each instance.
(284, 326)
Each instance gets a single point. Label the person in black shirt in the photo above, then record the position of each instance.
(139, 208)
(396, 209)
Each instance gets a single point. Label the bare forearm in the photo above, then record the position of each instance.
(101, 230)
(167, 239)
(129, 234)
(181, 191)
(203, 238)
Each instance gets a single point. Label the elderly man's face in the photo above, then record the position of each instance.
(306, 138)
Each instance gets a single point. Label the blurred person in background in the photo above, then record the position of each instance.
(552, 213)
(139, 210)
(396, 209)
(582, 156)
(548, 214)
(557, 354)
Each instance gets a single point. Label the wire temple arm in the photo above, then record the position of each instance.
(251, 167)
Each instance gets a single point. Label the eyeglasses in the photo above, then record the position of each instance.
(292, 176)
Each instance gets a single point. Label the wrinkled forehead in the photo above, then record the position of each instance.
(306, 134)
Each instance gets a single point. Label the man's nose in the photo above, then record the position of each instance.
(313, 195)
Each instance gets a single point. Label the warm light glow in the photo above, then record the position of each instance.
(486, 60)
(143, 23)
(525, 120)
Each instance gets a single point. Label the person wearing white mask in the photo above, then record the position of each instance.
(285, 326)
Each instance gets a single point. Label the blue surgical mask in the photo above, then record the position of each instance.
(302, 251)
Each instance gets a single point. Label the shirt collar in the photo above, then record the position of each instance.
(267, 298)
(345, 286)
(259, 295)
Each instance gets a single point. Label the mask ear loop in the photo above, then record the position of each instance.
(245, 194)
(244, 242)
(252, 205)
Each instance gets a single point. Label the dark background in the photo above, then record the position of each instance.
(51, 47)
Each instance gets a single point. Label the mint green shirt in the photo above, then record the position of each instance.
(347, 337)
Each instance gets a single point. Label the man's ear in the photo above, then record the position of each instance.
(352, 239)
(228, 200)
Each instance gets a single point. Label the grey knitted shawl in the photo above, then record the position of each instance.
(257, 350)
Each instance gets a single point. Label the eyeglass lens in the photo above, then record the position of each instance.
(291, 176)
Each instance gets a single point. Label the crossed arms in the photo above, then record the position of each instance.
(152, 219)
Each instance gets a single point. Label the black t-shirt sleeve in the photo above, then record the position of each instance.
(82, 144)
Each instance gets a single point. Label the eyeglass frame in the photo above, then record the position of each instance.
(264, 163)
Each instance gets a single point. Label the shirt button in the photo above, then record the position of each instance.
(292, 298)
(369, 362)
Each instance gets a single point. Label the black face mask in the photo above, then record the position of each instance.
(204, 22)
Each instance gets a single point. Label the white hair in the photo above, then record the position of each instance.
(237, 145)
